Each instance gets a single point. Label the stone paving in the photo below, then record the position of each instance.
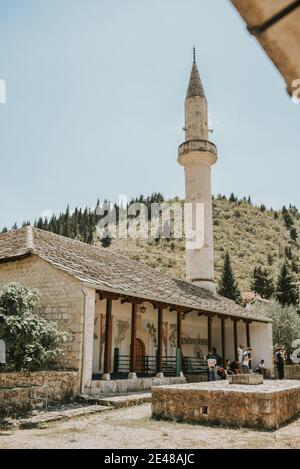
(133, 427)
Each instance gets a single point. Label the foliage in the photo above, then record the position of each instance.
(262, 283)
(286, 322)
(32, 342)
(286, 291)
(228, 286)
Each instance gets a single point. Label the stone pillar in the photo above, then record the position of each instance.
(88, 337)
(132, 374)
(108, 340)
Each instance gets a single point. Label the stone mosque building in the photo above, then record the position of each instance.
(130, 326)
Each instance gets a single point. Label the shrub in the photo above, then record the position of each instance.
(32, 342)
(286, 322)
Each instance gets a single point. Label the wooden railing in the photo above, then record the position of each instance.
(146, 365)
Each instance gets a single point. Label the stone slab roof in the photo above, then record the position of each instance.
(105, 270)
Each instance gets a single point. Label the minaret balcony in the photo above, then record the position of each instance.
(197, 146)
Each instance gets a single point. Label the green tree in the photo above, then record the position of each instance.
(262, 282)
(227, 285)
(32, 342)
(286, 290)
(286, 322)
(293, 233)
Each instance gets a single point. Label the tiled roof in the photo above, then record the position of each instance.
(105, 270)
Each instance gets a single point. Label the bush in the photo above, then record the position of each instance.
(32, 343)
(286, 322)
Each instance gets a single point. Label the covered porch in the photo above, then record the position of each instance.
(137, 338)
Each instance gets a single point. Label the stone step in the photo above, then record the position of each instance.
(117, 401)
(43, 418)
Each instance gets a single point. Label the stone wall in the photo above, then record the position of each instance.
(292, 372)
(61, 299)
(130, 385)
(265, 406)
(58, 385)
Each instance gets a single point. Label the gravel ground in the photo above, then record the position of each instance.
(133, 428)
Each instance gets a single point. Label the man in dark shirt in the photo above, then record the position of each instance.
(217, 357)
(234, 366)
(279, 361)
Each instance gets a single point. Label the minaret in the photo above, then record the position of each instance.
(197, 155)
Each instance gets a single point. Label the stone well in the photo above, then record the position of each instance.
(265, 406)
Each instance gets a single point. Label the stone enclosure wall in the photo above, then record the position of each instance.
(58, 385)
(264, 406)
(292, 372)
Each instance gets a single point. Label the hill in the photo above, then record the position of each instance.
(252, 235)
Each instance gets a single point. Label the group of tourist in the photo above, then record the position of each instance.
(218, 370)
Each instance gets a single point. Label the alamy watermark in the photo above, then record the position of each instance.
(2, 91)
(157, 220)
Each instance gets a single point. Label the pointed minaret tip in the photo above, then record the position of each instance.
(195, 87)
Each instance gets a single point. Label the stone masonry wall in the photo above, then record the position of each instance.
(59, 386)
(265, 406)
(292, 372)
(61, 300)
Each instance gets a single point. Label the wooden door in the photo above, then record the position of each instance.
(139, 354)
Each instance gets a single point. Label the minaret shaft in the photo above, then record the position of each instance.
(197, 155)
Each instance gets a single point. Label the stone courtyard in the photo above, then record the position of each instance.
(133, 428)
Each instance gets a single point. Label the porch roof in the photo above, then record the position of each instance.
(107, 271)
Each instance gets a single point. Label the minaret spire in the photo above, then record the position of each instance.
(197, 155)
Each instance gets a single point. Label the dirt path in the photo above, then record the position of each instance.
(133, 428)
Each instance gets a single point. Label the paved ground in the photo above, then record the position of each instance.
(133, 428)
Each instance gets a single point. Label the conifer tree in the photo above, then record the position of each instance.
(286, 290)
(228, 286)
(262, 282)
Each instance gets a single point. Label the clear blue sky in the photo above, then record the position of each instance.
(95, 95)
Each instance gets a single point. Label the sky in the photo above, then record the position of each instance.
(95, 95)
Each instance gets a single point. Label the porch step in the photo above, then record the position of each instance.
(121, 400)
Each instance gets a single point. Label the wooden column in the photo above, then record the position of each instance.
(248, 333)
(223, 338)
(178, 350)
(209, 332)
(108, 337)
(235, 339)
(133, 337)
(179, 323)
(160, 341)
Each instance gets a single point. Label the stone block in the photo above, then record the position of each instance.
(250, 378)
(267, 406)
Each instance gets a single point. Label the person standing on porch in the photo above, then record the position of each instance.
(246, 361)
(212, 366)
(240, 351)
(279, 361)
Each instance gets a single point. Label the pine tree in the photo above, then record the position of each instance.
(286, 291)
(293, 233)
(228, 286)
(262, 282)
